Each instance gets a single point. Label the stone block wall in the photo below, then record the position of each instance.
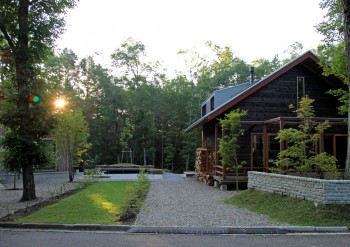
(311, 189)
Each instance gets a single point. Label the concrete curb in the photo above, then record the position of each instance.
(78, 227)
(178, 230)
(207, 230)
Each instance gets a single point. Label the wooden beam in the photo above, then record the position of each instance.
(281, 128)
(265, 148)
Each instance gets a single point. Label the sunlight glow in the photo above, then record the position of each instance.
(60, 103)
(108, 206)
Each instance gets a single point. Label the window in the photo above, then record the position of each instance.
(257, 149)
(212, 103)
(300, 88)
(204, 110)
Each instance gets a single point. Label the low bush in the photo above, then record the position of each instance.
(136, 194)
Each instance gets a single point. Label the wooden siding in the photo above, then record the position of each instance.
(273, 101)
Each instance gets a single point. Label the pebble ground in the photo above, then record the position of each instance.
(188, 202)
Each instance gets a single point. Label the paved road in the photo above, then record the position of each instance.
(21, 238)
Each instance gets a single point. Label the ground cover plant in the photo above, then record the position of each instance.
(291, 210)
(99, 203)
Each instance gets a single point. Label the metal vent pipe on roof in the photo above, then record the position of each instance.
(251, 75)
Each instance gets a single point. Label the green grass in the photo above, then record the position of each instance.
(99, 203)
(291, 210)
(125, 165)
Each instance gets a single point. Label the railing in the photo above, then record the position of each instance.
(223, 172)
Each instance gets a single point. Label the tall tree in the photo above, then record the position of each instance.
(346, 12)
(28, 31)
(221, 69)
(141, 79)
(335, 53)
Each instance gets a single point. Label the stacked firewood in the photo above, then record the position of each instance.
(205, 165)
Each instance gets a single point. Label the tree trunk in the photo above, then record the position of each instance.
(14, 180)
(346, 8)
(236, 171)
(70, 153)
(23, 73)
(28, 183)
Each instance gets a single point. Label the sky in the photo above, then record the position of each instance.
(252, 28)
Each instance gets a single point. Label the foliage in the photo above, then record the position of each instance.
(124, 165)
(291, 210)
(293, 51)
(12, 158)
(135, 107)
(71, 134)
(137, 193)
(300, 155)
(332, 50)
(99, 203)
(336, 50)
(93, 172)
(264, 67)
(228, 146)
(28, 30)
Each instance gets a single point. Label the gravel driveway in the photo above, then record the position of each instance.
(187, 202)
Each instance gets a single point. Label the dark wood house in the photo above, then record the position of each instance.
(267, 102)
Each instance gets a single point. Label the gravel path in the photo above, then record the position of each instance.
(9, 199)
(190, 203)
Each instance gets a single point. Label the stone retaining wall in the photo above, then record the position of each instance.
(311, 189)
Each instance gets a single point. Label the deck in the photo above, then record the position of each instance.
(230, 179)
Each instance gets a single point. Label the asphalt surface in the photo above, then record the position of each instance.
(20, 238)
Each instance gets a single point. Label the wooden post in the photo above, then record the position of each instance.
(265, 149)
(216, 148)
(251, 152)
(281, 128)
(321, 149)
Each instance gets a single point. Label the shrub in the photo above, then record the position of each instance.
(300, 155)
(136, 195)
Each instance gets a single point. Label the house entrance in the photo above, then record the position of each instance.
(274, 149)
(257, 151)
(336, 145)
(341, 143)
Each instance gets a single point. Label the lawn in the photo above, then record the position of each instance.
(123, 165)
(291, 210)
(99, 203)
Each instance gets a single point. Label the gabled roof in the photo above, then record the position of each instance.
(224, 94)
(308, 59)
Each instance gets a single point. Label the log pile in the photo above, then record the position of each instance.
(205, 161)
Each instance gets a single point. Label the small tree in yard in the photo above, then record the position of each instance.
(300, 155)
(71, 134)
(228, 144)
